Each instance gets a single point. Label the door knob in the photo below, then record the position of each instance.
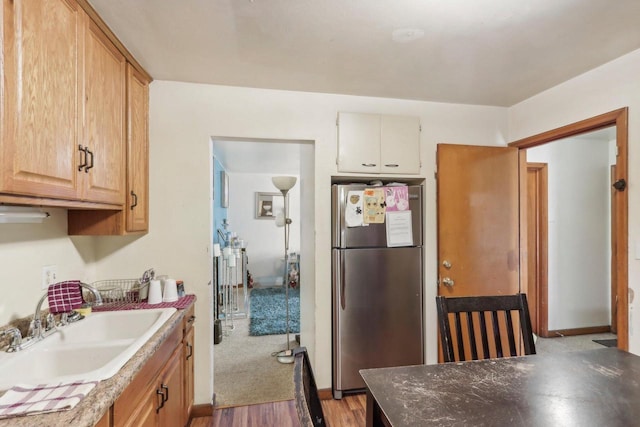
(448, 281)
(446, 264)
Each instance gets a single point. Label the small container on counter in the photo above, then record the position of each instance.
(180, 286)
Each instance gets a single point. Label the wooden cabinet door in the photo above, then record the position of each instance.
(171, 414)
(40, 128)
(145, 413)
(188, 375)
(399, 144)
(359, 142)
(103, 118)
(137, 206)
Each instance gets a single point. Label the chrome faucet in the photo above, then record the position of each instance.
(16, 339)
(37, 331)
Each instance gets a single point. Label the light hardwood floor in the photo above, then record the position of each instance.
(351, 410)
(348, 412)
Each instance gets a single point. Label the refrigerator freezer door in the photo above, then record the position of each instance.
(372, 235)
(377, 312)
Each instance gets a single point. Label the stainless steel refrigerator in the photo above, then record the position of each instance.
(377, 290)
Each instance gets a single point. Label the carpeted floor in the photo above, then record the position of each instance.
(268, 311)
(246, 373)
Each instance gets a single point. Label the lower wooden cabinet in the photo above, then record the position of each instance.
(188, 365)
(161, 394)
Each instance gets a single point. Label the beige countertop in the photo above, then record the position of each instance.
(91, 409)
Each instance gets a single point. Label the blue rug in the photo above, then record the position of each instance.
(268, 311)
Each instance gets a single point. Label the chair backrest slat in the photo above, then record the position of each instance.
(504, 329)
(307, 400)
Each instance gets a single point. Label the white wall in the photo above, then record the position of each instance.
(265, 241)
(578, 237)
(606, 88)
(26, 248)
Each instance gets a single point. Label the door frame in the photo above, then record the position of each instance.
(538, 222)
(618, 118)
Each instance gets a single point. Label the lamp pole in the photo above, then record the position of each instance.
(284, 184)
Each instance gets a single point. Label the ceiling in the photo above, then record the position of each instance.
(486, 52)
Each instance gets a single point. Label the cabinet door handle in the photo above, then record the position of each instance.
(392, 165)
(83, 158)
(164, 387)
(90, 165)
(369, 165)
(161, 393)
(135, 200)
(190, 347)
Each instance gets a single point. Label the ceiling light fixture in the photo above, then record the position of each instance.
(406, 35)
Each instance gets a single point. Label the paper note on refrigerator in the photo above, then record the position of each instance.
(353, 212)
(374, 206)
(399, 229)
(396, 198)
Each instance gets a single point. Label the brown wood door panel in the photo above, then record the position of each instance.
(478, 220)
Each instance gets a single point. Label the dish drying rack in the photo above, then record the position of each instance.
(119, 292)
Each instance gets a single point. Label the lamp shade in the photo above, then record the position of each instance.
(284, 183)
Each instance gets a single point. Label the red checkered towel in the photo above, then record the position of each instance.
(64, 296)
(40, 399)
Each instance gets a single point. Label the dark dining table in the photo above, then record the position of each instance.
(598, 387)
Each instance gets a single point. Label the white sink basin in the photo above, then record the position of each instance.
(94, 348)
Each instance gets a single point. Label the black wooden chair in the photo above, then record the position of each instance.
(306, 392)
(486, 323)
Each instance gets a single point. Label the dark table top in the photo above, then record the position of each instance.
(582, 388)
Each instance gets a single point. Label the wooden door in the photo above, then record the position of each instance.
(478, 220)
(137, 206)
(104, 118)
(41, 85)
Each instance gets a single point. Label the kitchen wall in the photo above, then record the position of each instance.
(265, 241)
(26, 248)
(606, 88)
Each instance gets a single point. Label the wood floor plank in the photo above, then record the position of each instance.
(348, 412)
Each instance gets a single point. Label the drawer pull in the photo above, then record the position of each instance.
(190, 347)
(369, 165)
(135, 200)
(161, 393)
(83, 158)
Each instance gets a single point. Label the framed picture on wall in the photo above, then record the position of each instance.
(265, 208)
(224, 189)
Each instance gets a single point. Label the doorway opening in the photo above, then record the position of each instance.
(543, 283)
(245, 369)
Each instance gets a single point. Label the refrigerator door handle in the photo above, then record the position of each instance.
(338, 276)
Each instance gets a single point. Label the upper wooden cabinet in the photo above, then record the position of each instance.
(134, 218)
(137, 208)
(373, 143)
(64, 133)
(42, 87)
(103, 117)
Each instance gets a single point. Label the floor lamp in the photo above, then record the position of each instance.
(284, 184)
